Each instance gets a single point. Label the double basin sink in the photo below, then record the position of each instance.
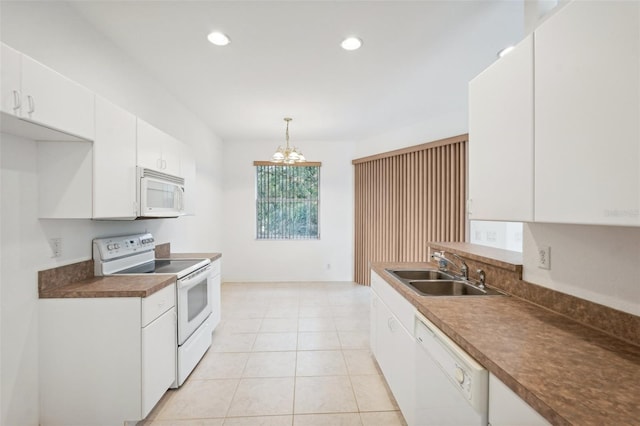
(432, 282)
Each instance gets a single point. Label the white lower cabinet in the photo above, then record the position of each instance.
(508, 409)
(216, 279)
(105, 361)
(393, 345)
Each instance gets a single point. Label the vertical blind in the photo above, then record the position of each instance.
(404, 199)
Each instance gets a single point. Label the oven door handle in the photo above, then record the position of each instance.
(193, 278)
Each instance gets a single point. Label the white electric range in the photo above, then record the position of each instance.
(135, 254)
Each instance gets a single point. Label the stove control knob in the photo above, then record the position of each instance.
(109, 246)
(460, 375)
(116, 246)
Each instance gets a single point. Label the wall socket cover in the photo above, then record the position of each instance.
(56, 246)
(544, 257)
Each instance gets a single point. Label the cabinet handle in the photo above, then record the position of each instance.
(32, 104)
(159, 163)
(390, 324)
(164, 164)
(17, 100)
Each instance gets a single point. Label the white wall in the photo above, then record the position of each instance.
(504, 235)
(246, 259)
(443, 125)
(597, 263)
(55, 35)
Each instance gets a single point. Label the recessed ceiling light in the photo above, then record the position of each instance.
(505, 51)
(218, 38)
(351, 43)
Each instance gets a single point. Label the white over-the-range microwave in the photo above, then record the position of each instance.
(159, 194)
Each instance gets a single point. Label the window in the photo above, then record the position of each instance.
(287, 201)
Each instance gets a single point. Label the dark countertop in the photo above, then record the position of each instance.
(114, 286)
(120, 286)
(212, 256)
(568, 372)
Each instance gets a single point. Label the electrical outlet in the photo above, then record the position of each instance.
(544, 257)
(56, 246)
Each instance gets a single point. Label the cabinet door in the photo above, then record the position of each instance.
(149, 146)
(501, 138)
(54, 101)
(10, 80)
(405, 375)
(172, 150)
(385, 324)
(158, 150)
(216, 305)
(507, 409)
(587, 75)
(114, 163)
(395, 355)
(158, 359)
(373, 324)
(188, 172)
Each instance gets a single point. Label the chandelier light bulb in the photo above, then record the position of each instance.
(287, 155)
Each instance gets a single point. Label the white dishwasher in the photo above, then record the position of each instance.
(452, 388)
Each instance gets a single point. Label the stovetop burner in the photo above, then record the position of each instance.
(161, 266)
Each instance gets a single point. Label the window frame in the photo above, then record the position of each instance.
(319, 182)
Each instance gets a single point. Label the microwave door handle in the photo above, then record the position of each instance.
(177, 204)
(181, 192)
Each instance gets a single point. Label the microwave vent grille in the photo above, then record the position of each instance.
(163, 176)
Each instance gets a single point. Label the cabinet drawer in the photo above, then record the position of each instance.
(158, 303)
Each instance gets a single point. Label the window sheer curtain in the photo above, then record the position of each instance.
(407, 198)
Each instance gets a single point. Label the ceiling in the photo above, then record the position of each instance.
(285, 59)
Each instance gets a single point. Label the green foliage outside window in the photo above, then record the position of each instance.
(287, 202)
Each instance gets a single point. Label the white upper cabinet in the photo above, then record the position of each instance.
(158, 150)
(587, 115)
(501, 138)
(114, 163)
(188, 171)
(36, 93)
(10, 80)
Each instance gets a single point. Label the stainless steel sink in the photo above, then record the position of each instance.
(432, 282)
(449, 288)
(419, 274)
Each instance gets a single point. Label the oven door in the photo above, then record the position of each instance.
(161, 195)
(194, 302)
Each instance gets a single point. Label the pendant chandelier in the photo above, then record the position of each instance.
(288, 155)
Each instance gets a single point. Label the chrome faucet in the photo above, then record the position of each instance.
(464, 269)
(483, 277)
(443, 262)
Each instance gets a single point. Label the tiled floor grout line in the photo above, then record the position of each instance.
(346, 305)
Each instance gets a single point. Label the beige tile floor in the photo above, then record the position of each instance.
(294, 354)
